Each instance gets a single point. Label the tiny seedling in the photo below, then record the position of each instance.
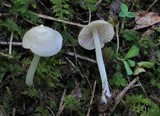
(125, 13)
(133, 51)
(140, 66)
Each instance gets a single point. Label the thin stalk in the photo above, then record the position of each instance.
(117, 36)
(10, 43)
(31, 70)
(123, 23)
(103, 74)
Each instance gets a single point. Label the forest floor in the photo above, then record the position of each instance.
(69, 83)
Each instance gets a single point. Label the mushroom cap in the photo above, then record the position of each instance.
(42, 41)
(105, 32)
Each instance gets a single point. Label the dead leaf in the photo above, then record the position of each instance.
(139, 70)
(76, 92)
(146, 20)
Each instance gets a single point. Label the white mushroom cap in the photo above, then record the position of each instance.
(42, 41)
(105, 32)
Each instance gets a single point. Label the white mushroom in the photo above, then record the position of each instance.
(94, 36)
(43, 42)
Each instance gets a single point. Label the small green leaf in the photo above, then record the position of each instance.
(128, 69)
(131, 63)
(146, 64)
(122, 14)
(133, 51)
(130, 15)
(124, 8)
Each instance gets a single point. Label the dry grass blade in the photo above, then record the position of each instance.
(120, 95)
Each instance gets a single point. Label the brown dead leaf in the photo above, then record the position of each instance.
(146, 20)
(76, 92)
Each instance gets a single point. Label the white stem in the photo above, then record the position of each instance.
(105, 87)
(10, 43)
(31, 70)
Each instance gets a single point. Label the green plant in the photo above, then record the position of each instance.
(133, 51)
(142, 106)
(31, 92)
(72, 103)
(130, 35)
(7, 100)
(127, 61)
(61, 9)
(42, 111)
(124, 13)
(11, 25)
(18, 13)
(53, 72)
(68, 37)
(118, 80)
(20, 8)
(88, 5)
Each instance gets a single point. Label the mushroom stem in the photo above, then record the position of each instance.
(31, 70)
(103, 74)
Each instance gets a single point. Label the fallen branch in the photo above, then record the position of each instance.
(120, 95)
(91, 101)
(61, 106)
(13, 43)
(81, 57)
(59, 20)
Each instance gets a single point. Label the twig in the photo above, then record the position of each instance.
(98, 2)
(14, 112)
(155, 99)
(43, 5)
(6, 55)
(142, 88)
(91, 101)
(3, 14)
(85, 76)
(61, 107)
(59, 20)
(151, 6)
(50, 110)
(13, 43)
(81, 57)
(82, 75)
(10, 43)
(120, 95)
(2, 111)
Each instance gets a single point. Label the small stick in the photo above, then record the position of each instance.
(81, 57)
(6, 55)
(59, 20)
(10, 43)
(155, 99)
(82, 75)
(61, 107)
(98, 2)
(50, 110)
(151, 5)
(14, 112)
(13, 43)
(91, 101)
(120, 95)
